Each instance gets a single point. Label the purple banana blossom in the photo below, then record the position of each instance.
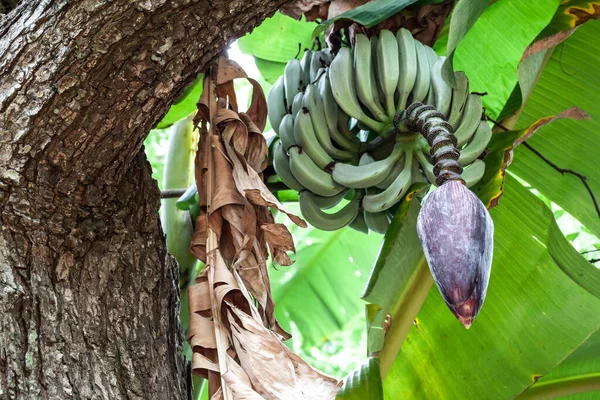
(457, 232)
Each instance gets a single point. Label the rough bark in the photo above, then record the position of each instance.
(88, 294)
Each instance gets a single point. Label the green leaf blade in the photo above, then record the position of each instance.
(534, 316)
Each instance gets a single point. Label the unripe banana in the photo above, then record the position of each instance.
(331, 107)
(394, 172)
(417, 174)
(377, 222)
(365, 78)
(473, 173)
(276, 104)
(325, 203)
(310, 175)
(281, 164)
(477, 145)
(390, 196)
(341, 76)
(327, 56)
(324, 221)
(442, 91)
(380, 94)
(366, 175)
(305, 64)
(408, 66)
(316, 63)
(314, 104)
(286, 132)
(459, 99)
(305, 137)
(297, 103)
(427, 167)
(470, 120)
(423, 80)
(388, 69)
(343, 126)
(292, 74)
(359, 223)
(345, 141)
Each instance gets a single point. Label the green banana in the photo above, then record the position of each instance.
(473, 173)
(276, 104)
(343, 88)
(305, 137)
(459, 98)
(390, 196)
(343, 126)
(325, 203)
(281, 164)
(292, 74)
(314, 104)
(417, 174)
(388, 69)
(331, 107)
(359, 223)
(427, 167)
(394, 172)
(365, 78)
(316, 64)
(367, 174)
(442, 91)
(423, 80)
(297, 103)
(327, 56)
(408, 66)
(377, 222)
(310, 175)
(477, 145)
(305, 64)
(324, 221)
(470, 120)
(286, 132)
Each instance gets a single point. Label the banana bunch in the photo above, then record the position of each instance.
(343, 140)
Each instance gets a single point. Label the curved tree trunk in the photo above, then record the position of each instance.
(88, 294)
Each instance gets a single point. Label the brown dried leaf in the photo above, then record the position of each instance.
(573, 112)
(279, 240)
(274, 370)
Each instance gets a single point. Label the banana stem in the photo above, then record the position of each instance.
(404, 313)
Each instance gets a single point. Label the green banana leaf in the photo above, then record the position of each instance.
(318, 297)
(570, 78)
(364, 383)
(185, 104)
(571, 14)
(463, 17)
(579, 373)
(369, 14)
(279, 39)
(490, 53)
(534, 316)
(270, 70)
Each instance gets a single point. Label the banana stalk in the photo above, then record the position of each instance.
(177, 224)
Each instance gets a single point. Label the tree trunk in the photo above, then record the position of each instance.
(88, 294)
